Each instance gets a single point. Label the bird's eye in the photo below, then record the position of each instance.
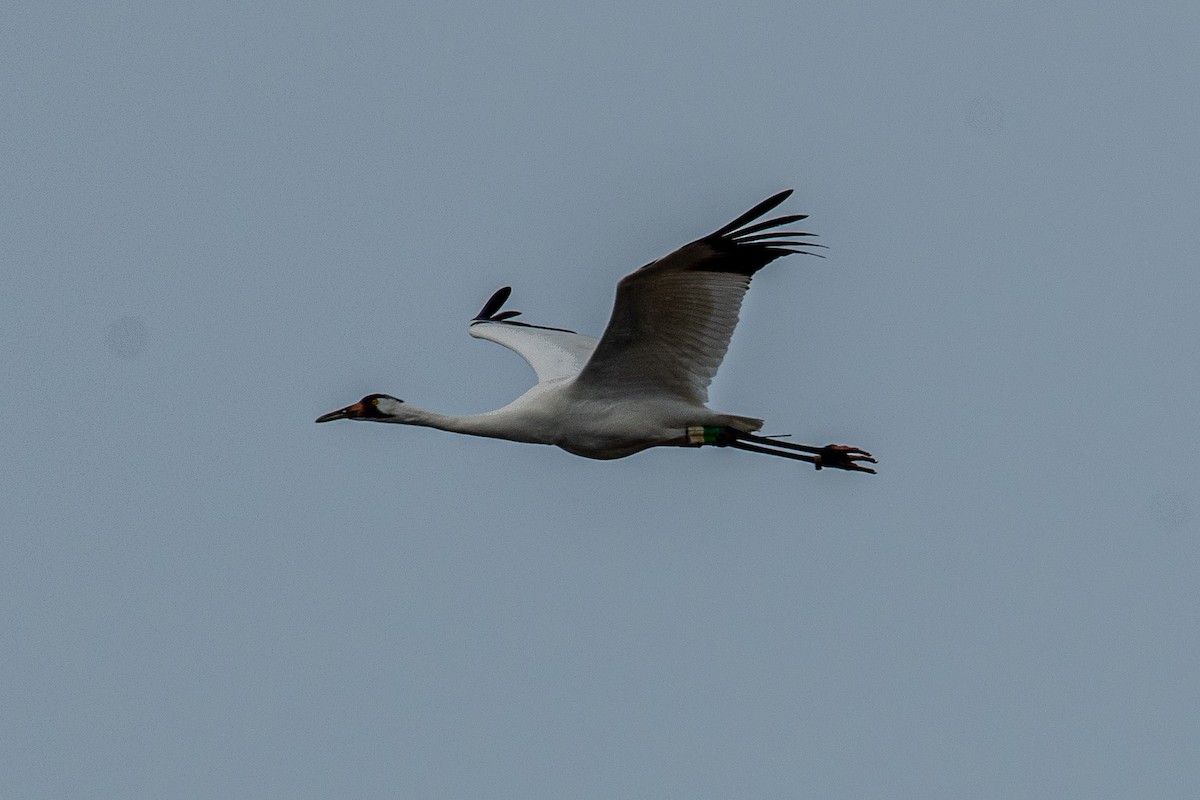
(375, 401)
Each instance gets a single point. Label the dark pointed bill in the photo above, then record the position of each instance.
(349, 412)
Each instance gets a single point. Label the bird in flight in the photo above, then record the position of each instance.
(644, 382)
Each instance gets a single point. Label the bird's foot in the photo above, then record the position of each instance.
(841, 456)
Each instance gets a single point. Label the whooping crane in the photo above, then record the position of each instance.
(644, 382)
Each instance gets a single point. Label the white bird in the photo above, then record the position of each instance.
(644, 382)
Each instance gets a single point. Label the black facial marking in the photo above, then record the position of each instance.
(370, 410)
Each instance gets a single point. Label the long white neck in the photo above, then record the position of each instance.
(495, 424)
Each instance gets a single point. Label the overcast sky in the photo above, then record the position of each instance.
(222, 220)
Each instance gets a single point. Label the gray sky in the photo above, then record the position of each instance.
(221, 221)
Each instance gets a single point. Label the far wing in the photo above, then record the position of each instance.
(553, 353)
(673, 318)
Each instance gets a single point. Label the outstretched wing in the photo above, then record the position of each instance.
(553, 353)
(673, 318)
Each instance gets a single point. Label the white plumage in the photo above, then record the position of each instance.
(644, 382)
(553, 353)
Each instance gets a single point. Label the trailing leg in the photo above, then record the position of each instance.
(834, 456)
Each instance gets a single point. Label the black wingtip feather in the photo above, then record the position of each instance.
(491, 312)
(787, 251)
(788, 243)
(754, 213)
(745, 250)
(772, 223)
(494, 303)
(764, 237)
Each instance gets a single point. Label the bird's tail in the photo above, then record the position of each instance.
(743, 424)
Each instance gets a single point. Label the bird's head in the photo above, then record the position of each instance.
(373, 407)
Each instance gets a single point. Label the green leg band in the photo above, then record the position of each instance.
(703, 434)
